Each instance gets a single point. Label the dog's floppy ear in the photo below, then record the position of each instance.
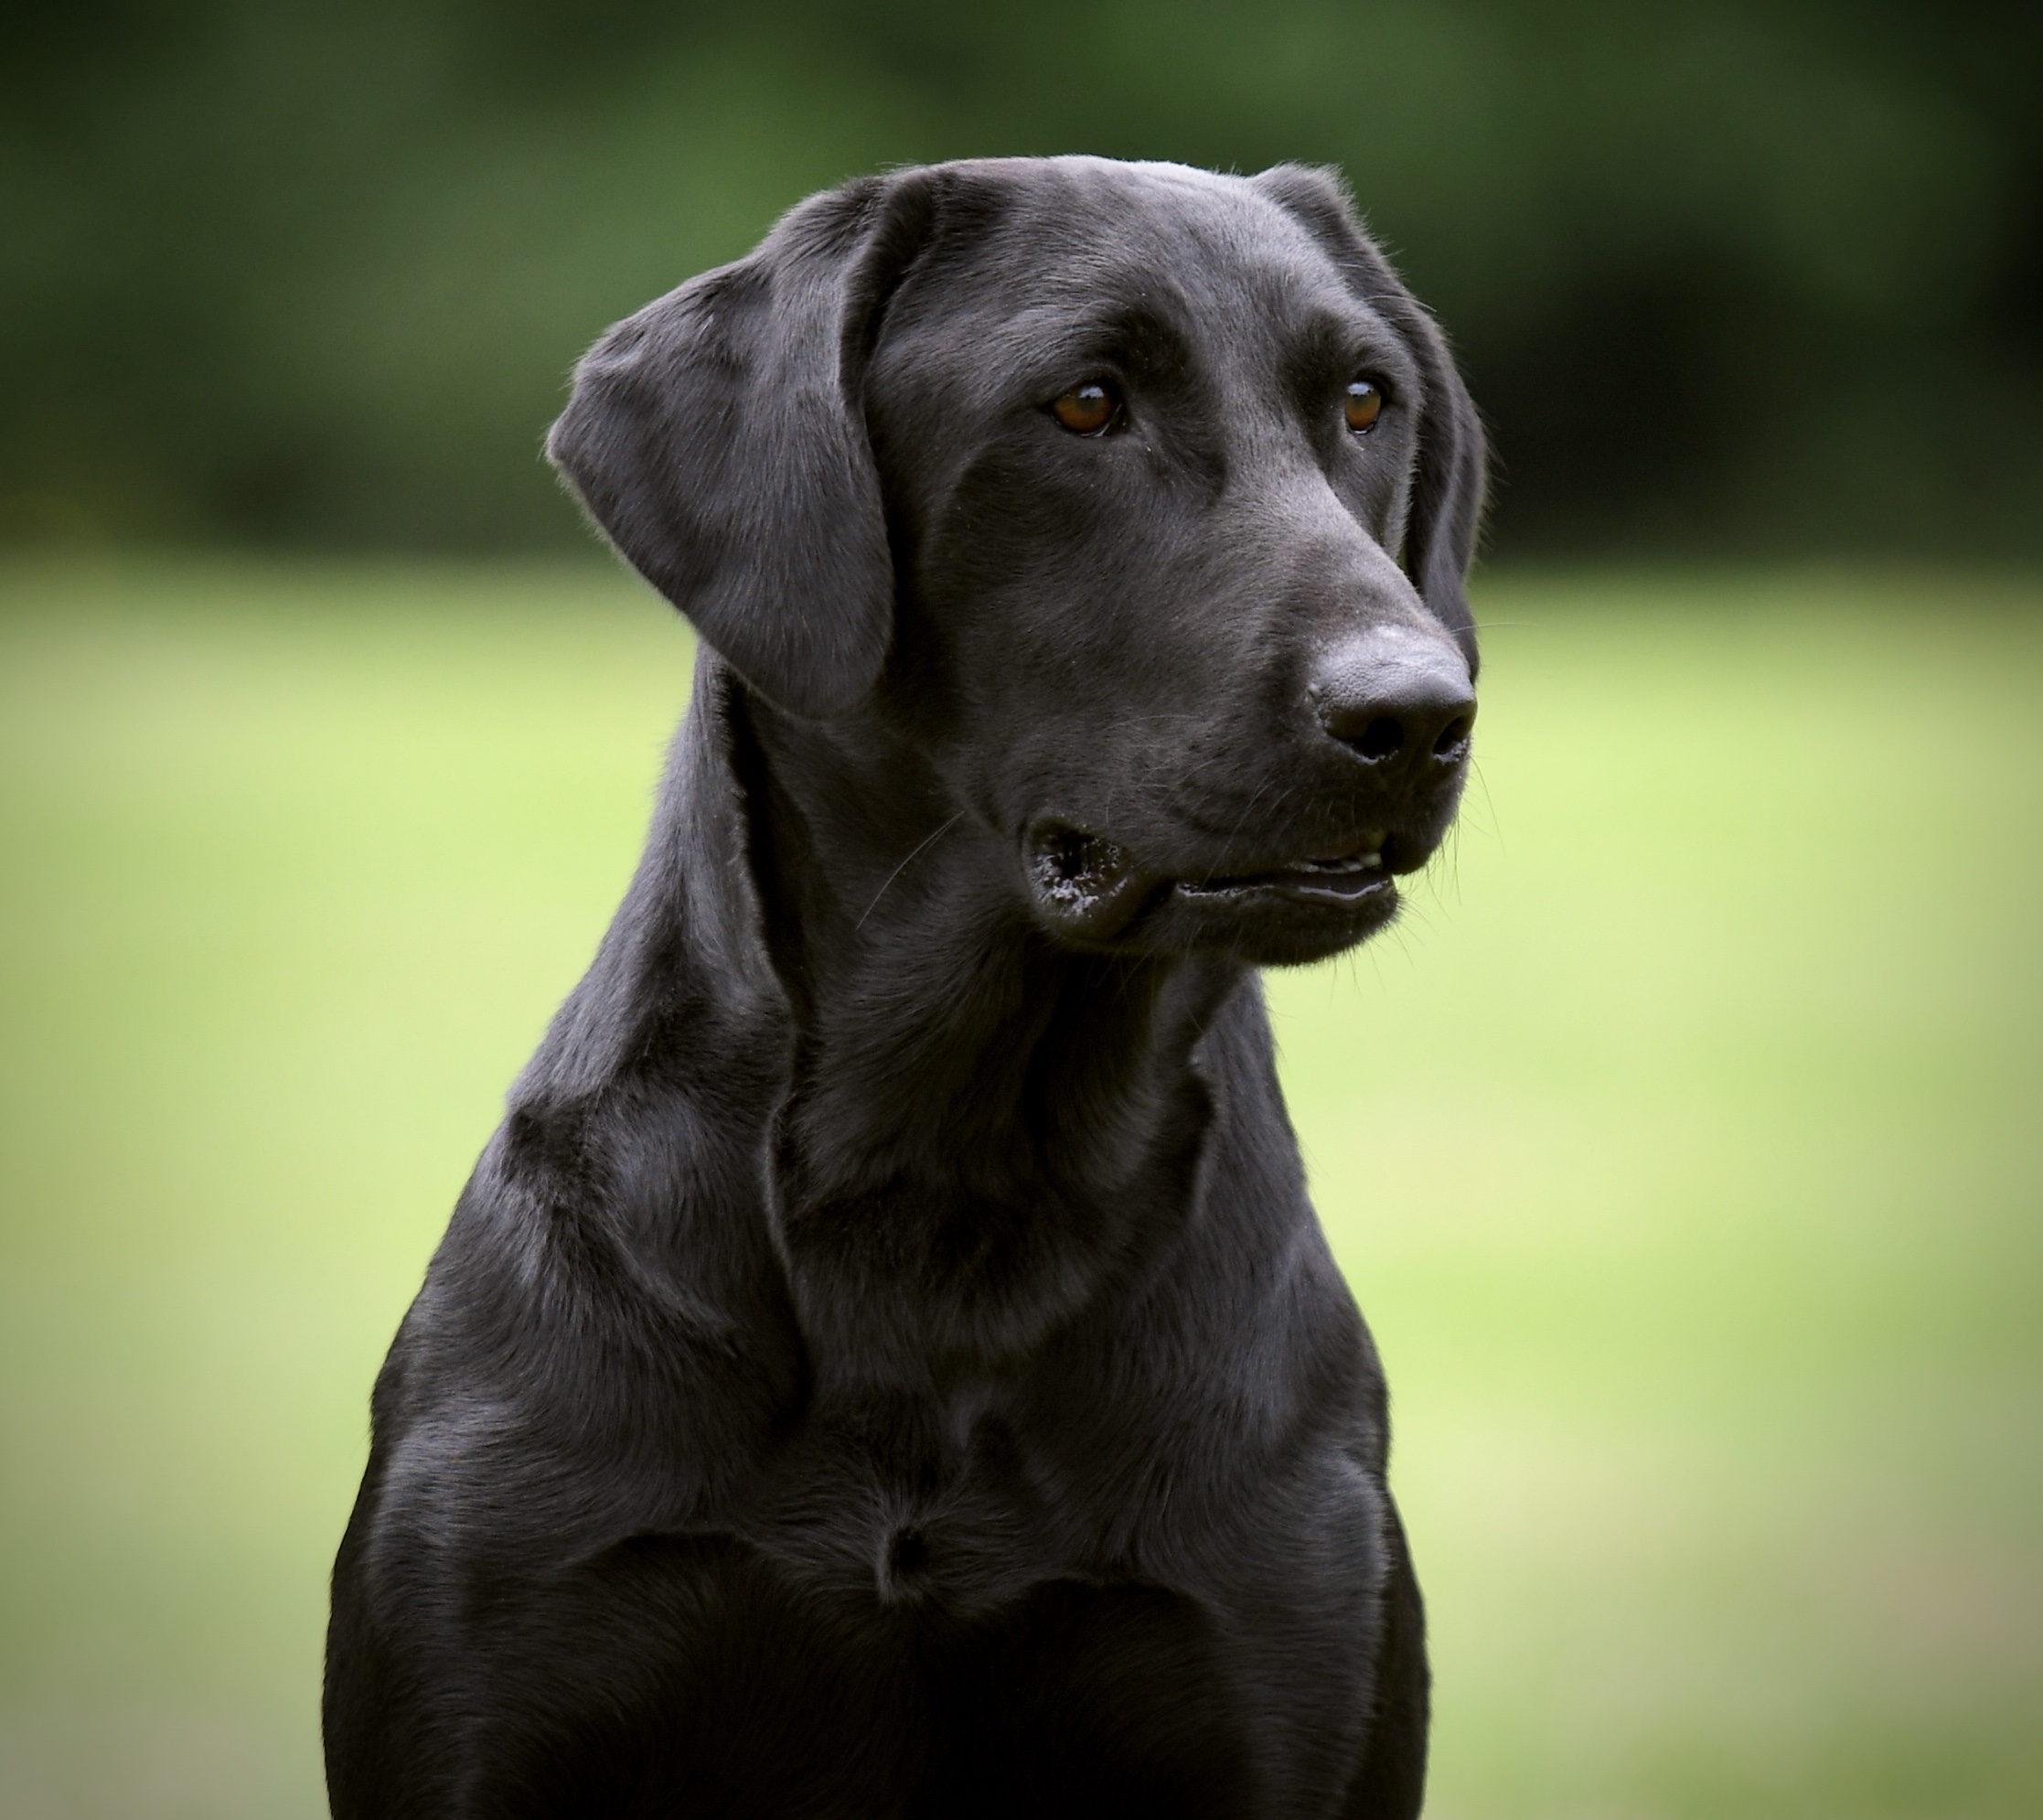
(718, 439)
(1447, 492)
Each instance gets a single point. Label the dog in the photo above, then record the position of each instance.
(885, 1363)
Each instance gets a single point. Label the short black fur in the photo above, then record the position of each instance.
(886, 1364)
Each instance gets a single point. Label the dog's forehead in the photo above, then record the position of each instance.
(1136, 213)
(1065, 239)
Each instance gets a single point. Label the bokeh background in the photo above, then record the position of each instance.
(1684, 1142)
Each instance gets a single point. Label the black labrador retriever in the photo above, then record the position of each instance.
(886, 1364)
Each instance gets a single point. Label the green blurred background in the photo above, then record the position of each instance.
(1683, 1143)
(1755, 276)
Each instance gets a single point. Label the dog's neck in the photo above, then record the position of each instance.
(982, 1128)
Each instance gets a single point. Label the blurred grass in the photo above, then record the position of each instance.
(1682, 1145)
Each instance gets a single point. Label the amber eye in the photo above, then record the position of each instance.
(1087, 410)
(1365, 404)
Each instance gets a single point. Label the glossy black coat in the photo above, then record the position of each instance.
(886, 1363)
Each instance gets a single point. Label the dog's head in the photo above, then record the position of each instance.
(1139, 499)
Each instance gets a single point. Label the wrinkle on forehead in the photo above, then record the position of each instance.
(1100, 217)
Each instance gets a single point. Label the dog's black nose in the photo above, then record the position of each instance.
(1396, 697)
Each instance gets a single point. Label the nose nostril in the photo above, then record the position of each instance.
(1453, 737)
(1380, 737)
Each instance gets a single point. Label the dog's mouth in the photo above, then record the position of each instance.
(1092, 889)
(1087, 883)
(1350, 872)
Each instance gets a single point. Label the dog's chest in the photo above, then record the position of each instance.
(936, 1501)
(931, 1583)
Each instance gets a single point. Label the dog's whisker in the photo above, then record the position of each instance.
(920, 847)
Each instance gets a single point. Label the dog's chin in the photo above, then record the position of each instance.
(1093, 894)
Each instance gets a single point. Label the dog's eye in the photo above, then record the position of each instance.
(1090, 409)
(1365, 404)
